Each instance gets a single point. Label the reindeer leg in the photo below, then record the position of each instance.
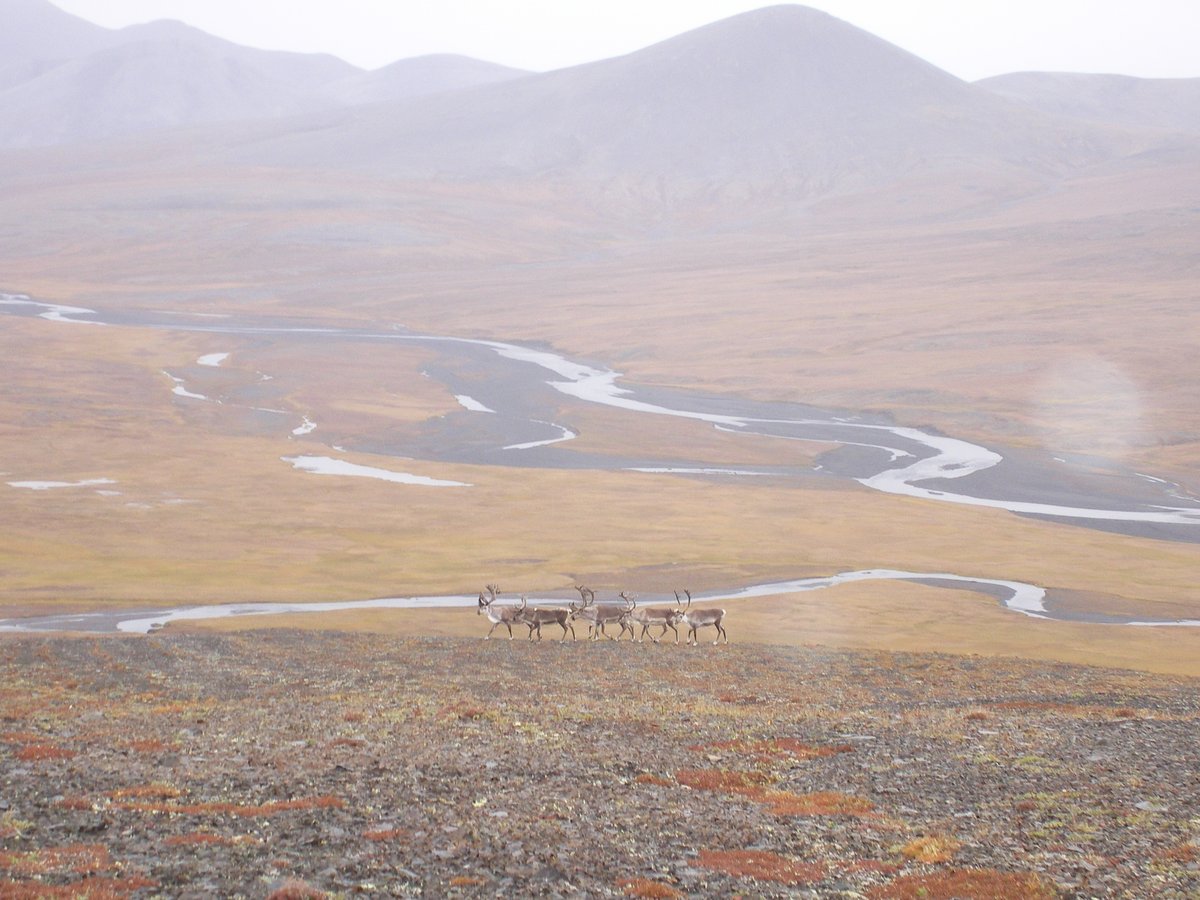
(489, 634)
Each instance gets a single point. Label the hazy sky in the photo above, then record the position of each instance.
(970, 38)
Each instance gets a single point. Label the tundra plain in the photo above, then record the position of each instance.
(880, 248)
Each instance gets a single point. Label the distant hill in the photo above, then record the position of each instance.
(65, 80)
(1170, 103)
(38, 30)
(784, 102)
(153, 84)
(786, 97)
(416, 77)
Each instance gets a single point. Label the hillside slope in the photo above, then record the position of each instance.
(225, 766)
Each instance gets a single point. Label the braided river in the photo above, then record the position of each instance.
(513, 402)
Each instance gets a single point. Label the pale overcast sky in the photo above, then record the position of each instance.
(969, 38)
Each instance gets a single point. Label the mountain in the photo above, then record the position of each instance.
(1168, 103)
(68, 80)
(65, 80)
(785, 99)
(415, 77)
(784, 102)
(158, 76)
(38, 30)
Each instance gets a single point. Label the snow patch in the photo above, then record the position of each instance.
(326, 465)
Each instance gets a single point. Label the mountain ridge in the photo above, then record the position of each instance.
(787, 98)
(1166, 103)
(66, 80)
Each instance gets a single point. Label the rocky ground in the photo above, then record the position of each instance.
(294, 764)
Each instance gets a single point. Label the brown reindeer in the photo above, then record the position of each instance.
(695, 619)
(648, 617)
(546, 615)
(598, 616)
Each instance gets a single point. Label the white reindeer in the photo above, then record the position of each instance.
(497, 615)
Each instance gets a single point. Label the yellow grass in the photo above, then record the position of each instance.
(991, 329)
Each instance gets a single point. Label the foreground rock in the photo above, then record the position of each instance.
(302, 764)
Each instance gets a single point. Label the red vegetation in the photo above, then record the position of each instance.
(384, 834)
(647, 778)
(150, 746)
(36, 752)
(347, 742)
(296, 890)
(779, 803)
(22, 737)
(762, 866)
(935, 848)
(74, 801)
(462, 711)
(723, 780)
(645, 887)
(1180, 853)
(80, 859)
(822, 803)
(775, 748)
(94, 888)
(966, 884)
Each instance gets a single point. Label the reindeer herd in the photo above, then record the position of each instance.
(600, 616)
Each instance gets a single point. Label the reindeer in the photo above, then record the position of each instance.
(700, 618)
(647, 617)
(503, 615)
(545, 615)
(599, 616)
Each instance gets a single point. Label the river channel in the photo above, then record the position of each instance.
(516, 404)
